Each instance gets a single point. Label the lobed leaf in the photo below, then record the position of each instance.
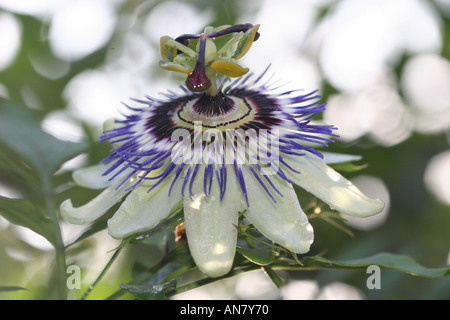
(21, 133)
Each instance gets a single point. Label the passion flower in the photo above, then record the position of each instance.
(219, 149)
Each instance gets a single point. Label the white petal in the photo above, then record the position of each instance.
(331, 187)
(283, 222)
(92, 177)
(143, 210)
(94, 208)
(211, 223)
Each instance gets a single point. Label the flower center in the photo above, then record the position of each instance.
(217, 111)
(236, 109)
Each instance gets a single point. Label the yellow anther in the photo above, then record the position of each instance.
(228, 68)
(175, 67)
(246, 42)
(168, 53)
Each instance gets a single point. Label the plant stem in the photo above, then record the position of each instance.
(208, 280)
(60, 256)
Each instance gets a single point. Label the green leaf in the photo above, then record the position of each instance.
(24, 213)
(12, 288)
(24, 177)
(333, 218)
(155, 292)
(21, 133)
(384, 260)
(260, 255)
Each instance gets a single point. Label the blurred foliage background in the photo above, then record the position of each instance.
(382, 66)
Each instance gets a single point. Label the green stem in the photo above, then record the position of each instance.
(60, 255)
(281, 265)
(205, 281)
(102, 273)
